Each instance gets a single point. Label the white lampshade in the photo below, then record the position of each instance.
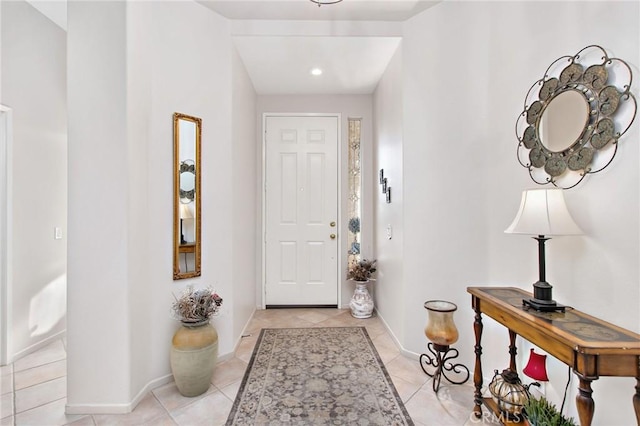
(185, 212)
(543, 212)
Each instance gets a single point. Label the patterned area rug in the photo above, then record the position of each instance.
(317, 376)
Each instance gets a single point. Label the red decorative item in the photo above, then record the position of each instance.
(536, 367)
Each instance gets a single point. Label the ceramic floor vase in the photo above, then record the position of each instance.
(361, 303)
(194, 352)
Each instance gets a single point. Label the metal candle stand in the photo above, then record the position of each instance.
(442, 332)
(442, 355)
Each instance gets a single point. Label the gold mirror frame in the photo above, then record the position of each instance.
(605, 85)
(187, 220)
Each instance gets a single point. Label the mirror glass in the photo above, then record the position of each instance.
(186, 204)
(563, 120)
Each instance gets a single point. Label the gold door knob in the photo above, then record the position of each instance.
(332, 236)
(332, 224)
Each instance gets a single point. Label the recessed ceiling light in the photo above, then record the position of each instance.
(316, 71)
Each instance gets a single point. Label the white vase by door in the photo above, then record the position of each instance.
(361, 302)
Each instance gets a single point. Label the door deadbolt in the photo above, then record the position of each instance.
(332, 224)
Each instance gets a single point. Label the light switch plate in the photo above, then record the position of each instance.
(389, 232)
(57, 233)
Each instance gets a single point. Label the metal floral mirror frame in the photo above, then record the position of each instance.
(574, 116)
(187, 220)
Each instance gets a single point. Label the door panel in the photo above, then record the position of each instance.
(301, 201)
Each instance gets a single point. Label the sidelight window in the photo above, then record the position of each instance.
(354, 203)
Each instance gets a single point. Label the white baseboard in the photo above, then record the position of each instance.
(396, 342)
(155, 383)
(118, 408)
(129, 407)
(415, 355)
(98, 408)
(243, 333)
(37, 346)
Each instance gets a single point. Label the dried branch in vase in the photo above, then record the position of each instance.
(362, 271)
(196, 305)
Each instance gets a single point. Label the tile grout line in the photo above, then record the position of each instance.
(163, 407)
(14, 408)
(38, 406)
(39, 383)
(13, 395)
(40, 365)
(343, 321)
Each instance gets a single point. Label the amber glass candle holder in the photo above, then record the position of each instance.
(442, 333)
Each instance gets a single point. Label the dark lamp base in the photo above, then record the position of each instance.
(543, 305)
(542, 299)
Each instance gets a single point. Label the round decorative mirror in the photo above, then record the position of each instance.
(187, 181)
(573, 117)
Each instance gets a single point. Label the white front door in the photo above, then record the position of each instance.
(301, 200)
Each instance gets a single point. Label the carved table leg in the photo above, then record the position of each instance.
(636, 400)
(477, 372)
(512, 351)
(584, 402)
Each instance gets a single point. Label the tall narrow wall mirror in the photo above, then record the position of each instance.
(187, 220)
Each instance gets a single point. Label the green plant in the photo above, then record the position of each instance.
(541, 412)
(362, 270)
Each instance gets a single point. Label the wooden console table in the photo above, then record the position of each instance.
(590, 346)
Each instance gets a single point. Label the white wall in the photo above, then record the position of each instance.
(444, 150)
(245, 213)
(466, 69)
(349, 106)
(139, 161)
(131, 66)
(387, 130)
(98, 262)
(192, 74)
(30, 44)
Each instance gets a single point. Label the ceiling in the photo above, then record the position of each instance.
(281, 64)
(279, 59)
(347, 10)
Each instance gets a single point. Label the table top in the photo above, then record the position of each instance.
(577, 329)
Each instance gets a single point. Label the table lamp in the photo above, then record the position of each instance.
(543, 213)
(536, 367)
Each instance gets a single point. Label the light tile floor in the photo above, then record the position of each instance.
(34, 387)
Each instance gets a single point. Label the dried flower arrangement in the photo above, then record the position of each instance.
(195, 306)
(362, 271)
